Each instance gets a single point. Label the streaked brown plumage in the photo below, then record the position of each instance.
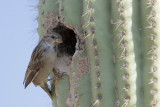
(42, 62)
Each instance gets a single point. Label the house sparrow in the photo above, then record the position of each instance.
(42, 62)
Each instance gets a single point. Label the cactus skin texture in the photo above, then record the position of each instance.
(116, 55)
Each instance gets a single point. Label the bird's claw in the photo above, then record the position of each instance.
(58, 76)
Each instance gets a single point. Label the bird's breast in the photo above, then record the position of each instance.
(50, 55)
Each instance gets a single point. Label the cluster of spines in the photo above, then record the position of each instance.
(90, 34)
(122, 43)
(126, 69)
(97, 72)
(152, 55)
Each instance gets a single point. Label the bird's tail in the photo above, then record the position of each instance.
(46, 88)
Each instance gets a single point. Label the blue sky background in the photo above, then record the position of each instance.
(18, 37)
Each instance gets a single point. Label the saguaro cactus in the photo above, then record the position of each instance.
(110, 52)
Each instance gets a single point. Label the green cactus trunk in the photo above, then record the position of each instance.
(109, 54)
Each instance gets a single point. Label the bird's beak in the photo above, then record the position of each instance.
(59, 40)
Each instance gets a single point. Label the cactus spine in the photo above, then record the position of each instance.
(126, 37)
(116, 54)
(99, 46)
(151, 52)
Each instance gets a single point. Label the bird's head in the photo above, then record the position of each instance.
(53, 38)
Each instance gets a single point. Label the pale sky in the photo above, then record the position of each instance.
(18, 37)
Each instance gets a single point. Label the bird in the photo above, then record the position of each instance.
(42, 62)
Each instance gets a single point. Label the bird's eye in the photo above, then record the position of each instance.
(52, 37)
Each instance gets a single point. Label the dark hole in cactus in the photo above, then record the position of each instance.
(69, 41)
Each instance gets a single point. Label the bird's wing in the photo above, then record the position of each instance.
(35, 64)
